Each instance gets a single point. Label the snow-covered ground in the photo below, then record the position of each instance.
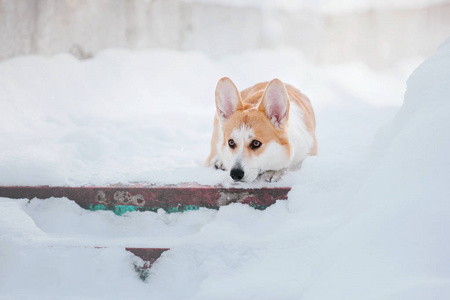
(366, 219)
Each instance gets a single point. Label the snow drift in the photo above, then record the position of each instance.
(394, 244)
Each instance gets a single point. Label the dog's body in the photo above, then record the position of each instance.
(265, 130)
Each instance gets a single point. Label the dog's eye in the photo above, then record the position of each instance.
(255, 144)
(231, 144)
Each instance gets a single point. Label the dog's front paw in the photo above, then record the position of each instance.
(218, 164)
(273, 176)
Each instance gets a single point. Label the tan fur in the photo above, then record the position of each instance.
(252, 114)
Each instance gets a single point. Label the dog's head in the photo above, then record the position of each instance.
(254, 137)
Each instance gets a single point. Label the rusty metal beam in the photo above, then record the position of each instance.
(138, 197)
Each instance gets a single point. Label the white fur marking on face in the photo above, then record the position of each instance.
(231, 157)
(242, 137)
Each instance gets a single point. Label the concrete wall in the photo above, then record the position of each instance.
(83, 27)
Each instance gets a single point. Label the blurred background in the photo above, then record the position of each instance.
(378, 33)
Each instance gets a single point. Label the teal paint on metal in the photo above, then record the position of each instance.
(182, 208)
(117, 209)
(258, 207)
(191, 207)
(122, 209)
(97, 207)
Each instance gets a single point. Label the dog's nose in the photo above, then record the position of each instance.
(237, 174)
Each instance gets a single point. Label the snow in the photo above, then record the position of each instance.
(366, 219)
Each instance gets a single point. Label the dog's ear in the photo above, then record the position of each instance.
(227, 98)
(275, 103)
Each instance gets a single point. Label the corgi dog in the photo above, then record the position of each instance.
(261, 132)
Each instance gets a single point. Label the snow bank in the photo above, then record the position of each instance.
(354, 227)
(394, 244)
